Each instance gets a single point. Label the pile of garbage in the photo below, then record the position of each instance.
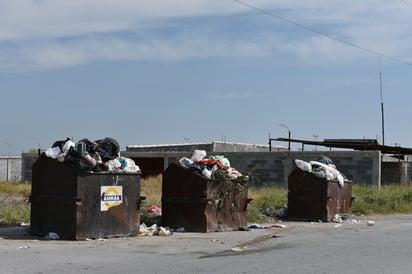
(214, 167)
(324, 168)
(154, 230)
(97, 156)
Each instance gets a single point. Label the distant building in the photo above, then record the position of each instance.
(154, 159)
(210, 147)
(269, 167)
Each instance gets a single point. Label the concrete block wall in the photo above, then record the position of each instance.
(273, 168)
(28, 160)
(399, 173)
(10, 168)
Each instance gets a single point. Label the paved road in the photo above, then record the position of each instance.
(300, 247)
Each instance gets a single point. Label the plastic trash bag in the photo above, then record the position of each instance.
(225, 161)
(331, 173)
(305, 166)
(53, 152)
(198, 155)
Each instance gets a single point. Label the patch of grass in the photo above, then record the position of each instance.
(151, 189)
(13, 188)
(14, 206)
(388, 199)
(255, 215)
(267, 198)
(15, 214)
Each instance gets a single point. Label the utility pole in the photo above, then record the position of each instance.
(289, 135)
(382, 113)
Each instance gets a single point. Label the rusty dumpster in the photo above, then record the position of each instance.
(316, 199)
(93, 205)
(197, 204)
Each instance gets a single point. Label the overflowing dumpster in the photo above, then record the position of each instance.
(311, 197)
(87, 205)
(199, 204)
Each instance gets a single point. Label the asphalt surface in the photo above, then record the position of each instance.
(384, 246)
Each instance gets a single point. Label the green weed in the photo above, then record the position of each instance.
(14, 206)
(388, 199)
(15, 214)
(269, 199)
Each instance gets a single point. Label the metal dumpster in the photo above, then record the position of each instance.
(316, 199)
(198, 204)
(92, 205)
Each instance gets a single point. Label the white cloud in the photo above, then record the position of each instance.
(25, 19)
(55, 54)
(46, 34)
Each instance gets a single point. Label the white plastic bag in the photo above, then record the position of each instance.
(69, 143)
(53, 152)
(207, 173)
(186, 162)
(331, 173)
(305, 166)
(198, 155)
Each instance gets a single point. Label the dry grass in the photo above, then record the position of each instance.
(151, 188)
(14, 205)
(13, 188)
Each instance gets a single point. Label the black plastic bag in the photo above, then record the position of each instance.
(90, 145)
(108, 149)
(77, 162)
(60, 143)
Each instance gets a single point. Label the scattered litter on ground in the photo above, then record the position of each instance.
(180, 229)
(273, 212)
(345, 219)
(270, 226)
(279, 225)
(217, 241)
(255, 226)
(52, 236)
(238, 248)
(370, 223)
(336, 219)
(154, 230)
(341, 221)
(154, 209)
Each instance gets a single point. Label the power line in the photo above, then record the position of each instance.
(322, 33)
(407, 3)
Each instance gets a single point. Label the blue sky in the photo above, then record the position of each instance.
(161, 72)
